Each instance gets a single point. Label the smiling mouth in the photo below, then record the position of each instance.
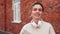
(37, 14)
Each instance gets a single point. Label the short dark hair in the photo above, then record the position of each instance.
(37, 3)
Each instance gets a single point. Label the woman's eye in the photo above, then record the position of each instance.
(35, 9)
(40, 9)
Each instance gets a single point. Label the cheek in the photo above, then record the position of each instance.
(33, 12)
(40, 12)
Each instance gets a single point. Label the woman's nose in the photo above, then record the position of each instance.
(37, 10)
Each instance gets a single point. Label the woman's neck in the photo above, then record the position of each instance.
(36, 20)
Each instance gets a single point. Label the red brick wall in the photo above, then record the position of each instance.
(51, 14)
(2, 15)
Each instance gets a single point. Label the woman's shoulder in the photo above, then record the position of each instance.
(47, 23)
(27, 25)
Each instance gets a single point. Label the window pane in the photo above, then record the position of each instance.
(16, 11)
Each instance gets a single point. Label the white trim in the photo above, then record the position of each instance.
(16, 12)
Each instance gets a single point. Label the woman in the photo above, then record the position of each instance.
(37, 25)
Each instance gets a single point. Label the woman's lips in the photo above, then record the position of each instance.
(37, 14)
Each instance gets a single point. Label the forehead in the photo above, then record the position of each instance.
(37, 6)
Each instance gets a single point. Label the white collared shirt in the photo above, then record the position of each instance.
(41, 28)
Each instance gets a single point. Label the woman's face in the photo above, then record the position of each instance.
(36, 11)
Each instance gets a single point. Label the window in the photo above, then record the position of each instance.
(16, 11)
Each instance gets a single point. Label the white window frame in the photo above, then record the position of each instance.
(16, 11)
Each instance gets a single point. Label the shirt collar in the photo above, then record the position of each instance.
(36, 25)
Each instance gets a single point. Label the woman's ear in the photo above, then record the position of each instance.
(30, 13)
(31, 16)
